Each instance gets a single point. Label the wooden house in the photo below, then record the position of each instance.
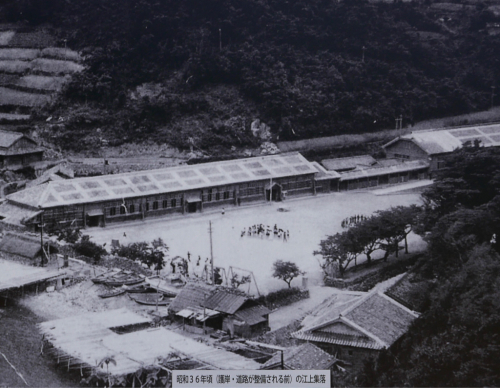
(360, 328)
(18, 150)
(242, 316)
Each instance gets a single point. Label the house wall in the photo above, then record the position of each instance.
(352, 355)
(405, 149)
(20, 160)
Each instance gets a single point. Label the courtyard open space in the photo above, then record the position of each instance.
(308, 220)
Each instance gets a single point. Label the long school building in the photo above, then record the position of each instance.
(97, 201)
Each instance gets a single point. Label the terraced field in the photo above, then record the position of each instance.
(32, 71)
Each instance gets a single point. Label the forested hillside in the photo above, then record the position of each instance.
(455, 342)
(171, 70)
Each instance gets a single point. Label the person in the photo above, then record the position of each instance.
(124, 234)
(223, 211)
(287, 235)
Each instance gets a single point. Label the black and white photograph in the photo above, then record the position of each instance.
(245, 193)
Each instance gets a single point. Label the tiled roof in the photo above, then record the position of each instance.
(306, 357)
(349, 163)
(447, 140)
(167, 180)
(356, 342)
(330, 309)
(253, 315)
(192, 295)
(225, 302)
(382, 316)
(377, 171)
(374, 321)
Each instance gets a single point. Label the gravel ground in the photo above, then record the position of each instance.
(308, 220)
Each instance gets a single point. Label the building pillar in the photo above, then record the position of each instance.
(104, 217)
(314, 186)
(84, 217)
(183, 204)
(143, 207)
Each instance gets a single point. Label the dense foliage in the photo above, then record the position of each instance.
(384, 230)
(151, 254)
(305, 67)
(89, 249)
(455, 342)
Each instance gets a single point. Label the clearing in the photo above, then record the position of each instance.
(307, 219)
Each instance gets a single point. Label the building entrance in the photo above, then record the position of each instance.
(274, 193)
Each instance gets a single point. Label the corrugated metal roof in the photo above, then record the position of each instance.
(341, 164)
(192, 295)
(377, 171)
(253, 315)
(167, 180)
(225, 302)
(439, 141)
(323, 173)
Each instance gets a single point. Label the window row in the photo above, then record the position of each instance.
(217, 196)
(251, 191)
(297, 185)
(155, 205)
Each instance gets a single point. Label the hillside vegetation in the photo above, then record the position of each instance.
(196, 71)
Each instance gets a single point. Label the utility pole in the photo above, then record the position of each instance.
(492, 95)
(41, 238)
(211, 252)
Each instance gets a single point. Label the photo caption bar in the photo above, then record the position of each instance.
(251, 378)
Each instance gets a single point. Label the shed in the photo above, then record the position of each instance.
(225, 302)
(192, 295)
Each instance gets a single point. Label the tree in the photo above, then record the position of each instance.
(286, 271)
(237, 281)
(90, 249)
(367, 235)
(340, 249)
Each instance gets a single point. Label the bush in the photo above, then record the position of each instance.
(90, 249)
(282, 297)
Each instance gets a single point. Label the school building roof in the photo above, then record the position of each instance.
(349, 163)
(378, 171)
(174, 179)
(447, 140)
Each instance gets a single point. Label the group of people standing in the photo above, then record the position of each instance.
(261, 230)
(353, 220)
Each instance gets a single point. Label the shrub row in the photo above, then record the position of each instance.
(283, 297)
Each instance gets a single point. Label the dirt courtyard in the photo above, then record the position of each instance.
(307, 219)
